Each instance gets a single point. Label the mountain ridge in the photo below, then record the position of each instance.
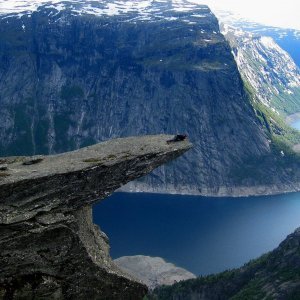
(68, 81)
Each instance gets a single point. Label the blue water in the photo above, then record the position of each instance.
(296, 124)
(203, 235)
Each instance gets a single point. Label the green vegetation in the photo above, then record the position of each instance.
(281, 159)
(252, 291)
(282, 136)
(287, 274)
(256, 280)
(166, 51)
(287, 104)
(207, 66)
(262, 261)
(276, 128)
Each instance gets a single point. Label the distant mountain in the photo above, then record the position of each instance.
(287, 39)
(76, 72)
(275, 275)
(269, 69)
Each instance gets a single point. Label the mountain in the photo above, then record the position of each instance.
(77, 72)
(269, 69)
(287, 38)
(152, 271)
(271, 76)
(273, 276)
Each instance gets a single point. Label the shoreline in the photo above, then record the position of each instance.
(222, 192)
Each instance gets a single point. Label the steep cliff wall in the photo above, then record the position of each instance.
(49, 246)
(71, 75)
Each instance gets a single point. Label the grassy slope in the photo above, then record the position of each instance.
(282, 159)
(276, 128)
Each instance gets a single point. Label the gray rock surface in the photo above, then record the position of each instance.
(153, 271)
(49, 246)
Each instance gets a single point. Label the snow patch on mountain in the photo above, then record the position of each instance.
(269, 69)
(146, 8)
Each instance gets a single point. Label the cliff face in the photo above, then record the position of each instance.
(71, 75)
(49, 246)
(268, 68)
(273, 276)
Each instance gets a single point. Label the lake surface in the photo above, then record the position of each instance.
(203, 235)
(294, 120)
(296, 124)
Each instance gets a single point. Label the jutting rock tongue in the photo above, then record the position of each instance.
(49, 246)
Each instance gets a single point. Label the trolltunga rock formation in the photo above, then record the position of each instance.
(49, 246)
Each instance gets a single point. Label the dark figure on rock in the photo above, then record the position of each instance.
(178, 138)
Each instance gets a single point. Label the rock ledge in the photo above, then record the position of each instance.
(49, 246)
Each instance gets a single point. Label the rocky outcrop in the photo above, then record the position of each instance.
(275, 275)
(153, 271)
(49, 246)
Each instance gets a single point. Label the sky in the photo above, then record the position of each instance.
(277, 13)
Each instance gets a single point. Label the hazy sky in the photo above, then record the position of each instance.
(270, 12)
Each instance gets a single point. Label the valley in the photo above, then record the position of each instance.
(90, 74)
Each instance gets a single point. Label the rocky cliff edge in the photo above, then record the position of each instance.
(49, 246)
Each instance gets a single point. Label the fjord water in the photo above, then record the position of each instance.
(296, 124)
(294, 120)
(203, 235)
